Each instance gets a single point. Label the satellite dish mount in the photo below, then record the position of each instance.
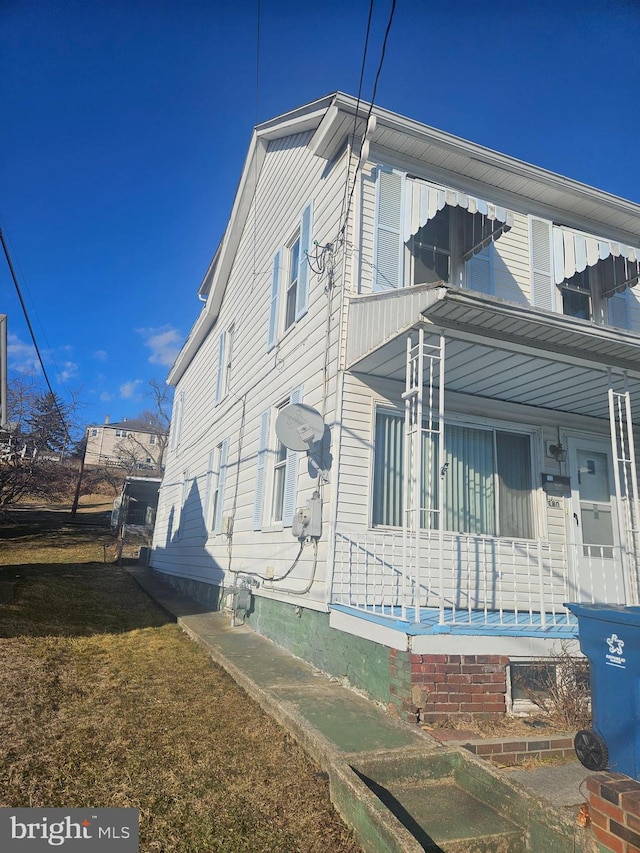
(299, 427)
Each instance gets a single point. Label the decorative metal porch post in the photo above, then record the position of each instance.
(626, 483)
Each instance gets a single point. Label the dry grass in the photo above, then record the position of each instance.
(107, 703)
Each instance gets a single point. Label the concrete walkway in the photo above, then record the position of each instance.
(332, 722)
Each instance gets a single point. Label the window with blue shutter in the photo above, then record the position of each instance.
(388, 250)
(261, 463)
(618, 310)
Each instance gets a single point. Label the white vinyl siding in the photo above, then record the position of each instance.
(388, 258)
(542, 280)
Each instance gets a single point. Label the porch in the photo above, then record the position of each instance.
(469, 585)
(432, 562)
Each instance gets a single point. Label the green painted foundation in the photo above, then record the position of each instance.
(307, 634)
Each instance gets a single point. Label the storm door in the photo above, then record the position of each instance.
(593, 532)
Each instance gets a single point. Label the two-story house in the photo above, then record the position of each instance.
(466, 328)
(130, 444)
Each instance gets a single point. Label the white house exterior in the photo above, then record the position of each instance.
(467, 326)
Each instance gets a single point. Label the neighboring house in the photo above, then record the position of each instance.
(130, 444)
(467, 326)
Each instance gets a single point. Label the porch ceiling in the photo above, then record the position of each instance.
(497, 350)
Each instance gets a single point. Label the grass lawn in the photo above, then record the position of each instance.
(105, 702)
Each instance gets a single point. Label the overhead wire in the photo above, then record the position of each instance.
(33, 336)
(371, 105)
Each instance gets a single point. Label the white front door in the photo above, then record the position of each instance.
(593, 531)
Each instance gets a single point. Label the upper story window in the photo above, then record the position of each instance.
(293, 275)
(576, 296)
(93, 433)
(426, 233)
(225, 354)
(581, 275)
(152, 438)
(429, 250)
(121, 433)
(289, 300)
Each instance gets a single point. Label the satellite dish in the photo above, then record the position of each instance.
(298, 426)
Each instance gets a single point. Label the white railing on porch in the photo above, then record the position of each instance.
(470, 579)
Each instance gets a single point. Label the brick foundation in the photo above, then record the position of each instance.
(614, 806)
(425, 688)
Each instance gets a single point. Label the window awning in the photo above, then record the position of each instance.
(486, 223)
(574, 251)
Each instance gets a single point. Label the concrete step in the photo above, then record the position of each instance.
(444, 802)
(442, 816)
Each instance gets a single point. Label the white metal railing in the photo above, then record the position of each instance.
(470, 579)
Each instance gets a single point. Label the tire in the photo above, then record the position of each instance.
(591, 750)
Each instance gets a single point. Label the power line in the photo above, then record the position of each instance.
(32, 333)
(355, 118)
(371, 104)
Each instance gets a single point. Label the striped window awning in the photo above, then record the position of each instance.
(574, 251)
(425, 200)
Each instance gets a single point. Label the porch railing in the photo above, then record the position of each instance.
(470, 579)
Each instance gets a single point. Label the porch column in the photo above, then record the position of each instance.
(626, 483)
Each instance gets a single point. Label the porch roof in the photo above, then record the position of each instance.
(497, 349)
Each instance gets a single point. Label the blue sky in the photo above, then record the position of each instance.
(124, 128)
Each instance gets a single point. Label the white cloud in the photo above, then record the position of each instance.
(100, 355)
(128, 390)
(69, 371)
(164, 343)
(21, 357)
(105, 397)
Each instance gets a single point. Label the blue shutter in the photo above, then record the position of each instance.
(222, 476)
(302, 296)
(273, 308)
(388, 245)
(480, 271)
(291, 474)
(221, 368)
(261, 460)
(541, 253)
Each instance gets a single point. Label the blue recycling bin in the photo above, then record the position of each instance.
(610, 639)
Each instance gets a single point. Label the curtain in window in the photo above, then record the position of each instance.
(514, 484)
(388, 470)
(469, 493)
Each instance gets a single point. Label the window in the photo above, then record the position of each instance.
(152, 439)
(223, 379)
(429, 250)
(279, 475)
(293, 273)
(576, 296)
(290, 272)
(93, 433)
(120, 433)
(487, 482)
(276, 471)
(216, 477)
(425, 233)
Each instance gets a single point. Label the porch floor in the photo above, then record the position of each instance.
(507, 623)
